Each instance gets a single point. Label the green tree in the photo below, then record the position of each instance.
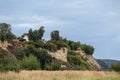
(30, 34)
(5, 32)
(36, 34)
(5, 28)
(30, 63)
(116, 67)
(10, 36)
(41, 32)
(55, 35)
(74, 45)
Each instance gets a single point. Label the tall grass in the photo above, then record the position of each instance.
(60, 75)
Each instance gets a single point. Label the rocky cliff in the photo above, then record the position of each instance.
(62, 55)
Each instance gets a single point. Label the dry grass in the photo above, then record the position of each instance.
(60, 75)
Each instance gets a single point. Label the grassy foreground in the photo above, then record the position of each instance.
(60, 75)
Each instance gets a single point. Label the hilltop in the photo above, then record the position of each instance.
(31, 52)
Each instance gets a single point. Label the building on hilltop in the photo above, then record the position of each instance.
(26, 37)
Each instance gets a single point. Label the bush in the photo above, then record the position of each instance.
(54, 65)
(43, 57)
(116, 67)
(41, 54)
(50, 46)
(9, 64)
(76, 61)
(30, 49)
(61, 44)
(73, 45)
(39, 44)
(88, 49)
(10, 36)
(30, 42)
(30, 63)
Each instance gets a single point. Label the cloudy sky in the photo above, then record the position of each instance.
(95, 22)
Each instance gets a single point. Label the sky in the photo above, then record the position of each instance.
(94, 22)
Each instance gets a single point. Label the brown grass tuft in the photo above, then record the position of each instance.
(60, 75)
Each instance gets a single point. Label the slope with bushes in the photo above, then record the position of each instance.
(36, 53)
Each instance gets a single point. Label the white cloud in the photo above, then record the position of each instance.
(80, 4)
(27, 25)
(32, 21)
(43, 20)
(6, 18)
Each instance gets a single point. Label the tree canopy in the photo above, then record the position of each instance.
(36, 34)
(5, 32)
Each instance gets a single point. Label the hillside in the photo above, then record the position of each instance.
(31, 52)
(106, 63)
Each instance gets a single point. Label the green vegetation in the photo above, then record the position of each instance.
(55, 35)
(76, 61)
(50, 46)
(88, 49)
(116, 67)
(54, 65)
(36, 34)
(33, 55)
(8, 62)
(30, 63)
(5, 32)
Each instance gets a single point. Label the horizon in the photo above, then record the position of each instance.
(94, 22)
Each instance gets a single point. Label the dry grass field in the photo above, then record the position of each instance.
(60, 75)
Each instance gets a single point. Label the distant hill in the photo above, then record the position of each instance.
(106, 63)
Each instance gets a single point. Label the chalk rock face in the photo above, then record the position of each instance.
(93, 63)
(4, 45)
(60, 54)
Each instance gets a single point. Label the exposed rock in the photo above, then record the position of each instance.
(94, 65)
(60, 54)
(4, 45)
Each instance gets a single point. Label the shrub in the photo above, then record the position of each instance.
(30, 42)
(50, 46)
(10, 36)
(76, 61)
(41, 54)
(30, 63)
(39, 44)
(9, 63)
(73, 45)
(54, 65)
(88, 49)
(116, 67)
(43, 57)
(61, 44)
(30, 49)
